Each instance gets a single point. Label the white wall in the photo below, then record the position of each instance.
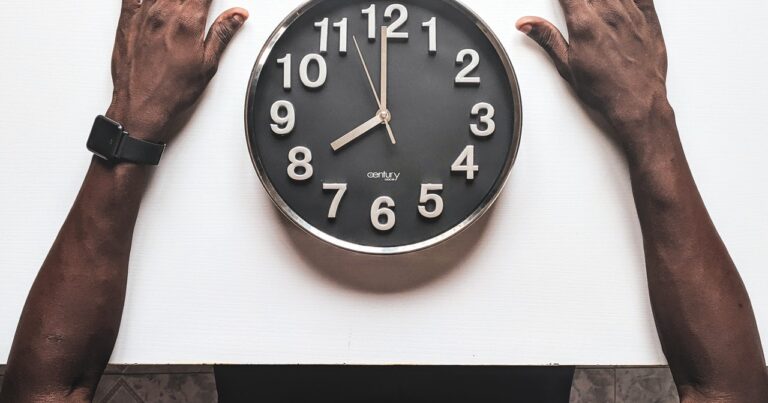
(553, 275)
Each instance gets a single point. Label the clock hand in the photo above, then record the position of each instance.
(365, 67)
(342, 141)
(384, 45)
(373, 89)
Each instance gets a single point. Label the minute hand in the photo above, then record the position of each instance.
(384, 45)
(357, 132)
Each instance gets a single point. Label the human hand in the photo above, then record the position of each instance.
(616, 62)
(162, 62)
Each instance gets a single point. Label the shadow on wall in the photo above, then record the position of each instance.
(385, 274)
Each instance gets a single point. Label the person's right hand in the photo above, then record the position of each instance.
(163, 61)
(616, 62)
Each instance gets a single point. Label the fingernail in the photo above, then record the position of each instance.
(525, 28)
(238, 19)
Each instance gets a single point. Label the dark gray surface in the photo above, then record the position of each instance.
(623, 385)
(155, 384)
(431, 118)
(594, 385)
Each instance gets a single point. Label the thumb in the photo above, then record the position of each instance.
(221, 33)
(550, 39)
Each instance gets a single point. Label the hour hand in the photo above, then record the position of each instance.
(357, 132)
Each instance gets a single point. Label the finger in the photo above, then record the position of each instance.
(550, 39)
(573, 6)
(131, 5)
(649, 11)
(577, 14)
(206, 5)
(631, 9)
(124, 27)
(221, 33)
(127, 11)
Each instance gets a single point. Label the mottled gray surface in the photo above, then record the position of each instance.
(647, 385)
(623, 385)
(594, 385)
(157, 384)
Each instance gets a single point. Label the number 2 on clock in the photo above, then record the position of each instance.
(389, 13)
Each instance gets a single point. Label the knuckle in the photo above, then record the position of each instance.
(614, 18)
(548, 38)
(156, 18)
(579, 26)
(224, 33)
(187, 25)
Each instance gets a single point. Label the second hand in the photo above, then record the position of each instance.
(385, 114)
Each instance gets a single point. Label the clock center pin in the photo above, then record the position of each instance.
(385, 116)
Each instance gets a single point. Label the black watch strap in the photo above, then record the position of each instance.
(109, 141)
(139, 151)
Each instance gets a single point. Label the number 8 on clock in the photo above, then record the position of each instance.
(383, 127)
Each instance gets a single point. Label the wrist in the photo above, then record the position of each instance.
(140, 127)
(651, 140)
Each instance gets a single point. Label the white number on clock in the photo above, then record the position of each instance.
(486, 119)
(474, 61)
(282, 124)
(425, 197)
(466, 163)
(286, 63)
(382, 208)
(322, 71)
(342, 26)
(300, 168)
(431, 25)
(396, 24)
(371, 13)
(341, 189)
(323, 25)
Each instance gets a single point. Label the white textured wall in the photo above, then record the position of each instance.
(553, 275)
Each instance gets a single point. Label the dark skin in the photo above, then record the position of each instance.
(616, 63)
(163, 60)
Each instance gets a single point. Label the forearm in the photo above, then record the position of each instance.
(72, 315)
(702, 310)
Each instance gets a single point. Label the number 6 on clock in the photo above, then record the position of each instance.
(382, 207)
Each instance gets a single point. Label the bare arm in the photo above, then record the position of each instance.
(616, 62)
(162, 62)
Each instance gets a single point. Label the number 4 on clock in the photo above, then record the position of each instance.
(466, 163)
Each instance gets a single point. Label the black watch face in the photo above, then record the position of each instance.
(383, 127)
(105, 138)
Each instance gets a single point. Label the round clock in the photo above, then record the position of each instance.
(382, 127)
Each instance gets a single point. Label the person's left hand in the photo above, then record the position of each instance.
(163, 61)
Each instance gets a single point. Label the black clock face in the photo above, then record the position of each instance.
(383, 127)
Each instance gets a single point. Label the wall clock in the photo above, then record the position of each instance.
(383, 127)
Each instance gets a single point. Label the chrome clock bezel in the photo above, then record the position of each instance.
(493, 194)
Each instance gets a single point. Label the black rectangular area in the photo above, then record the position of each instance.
(343, 383)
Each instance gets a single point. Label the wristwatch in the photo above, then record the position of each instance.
(109, 141)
